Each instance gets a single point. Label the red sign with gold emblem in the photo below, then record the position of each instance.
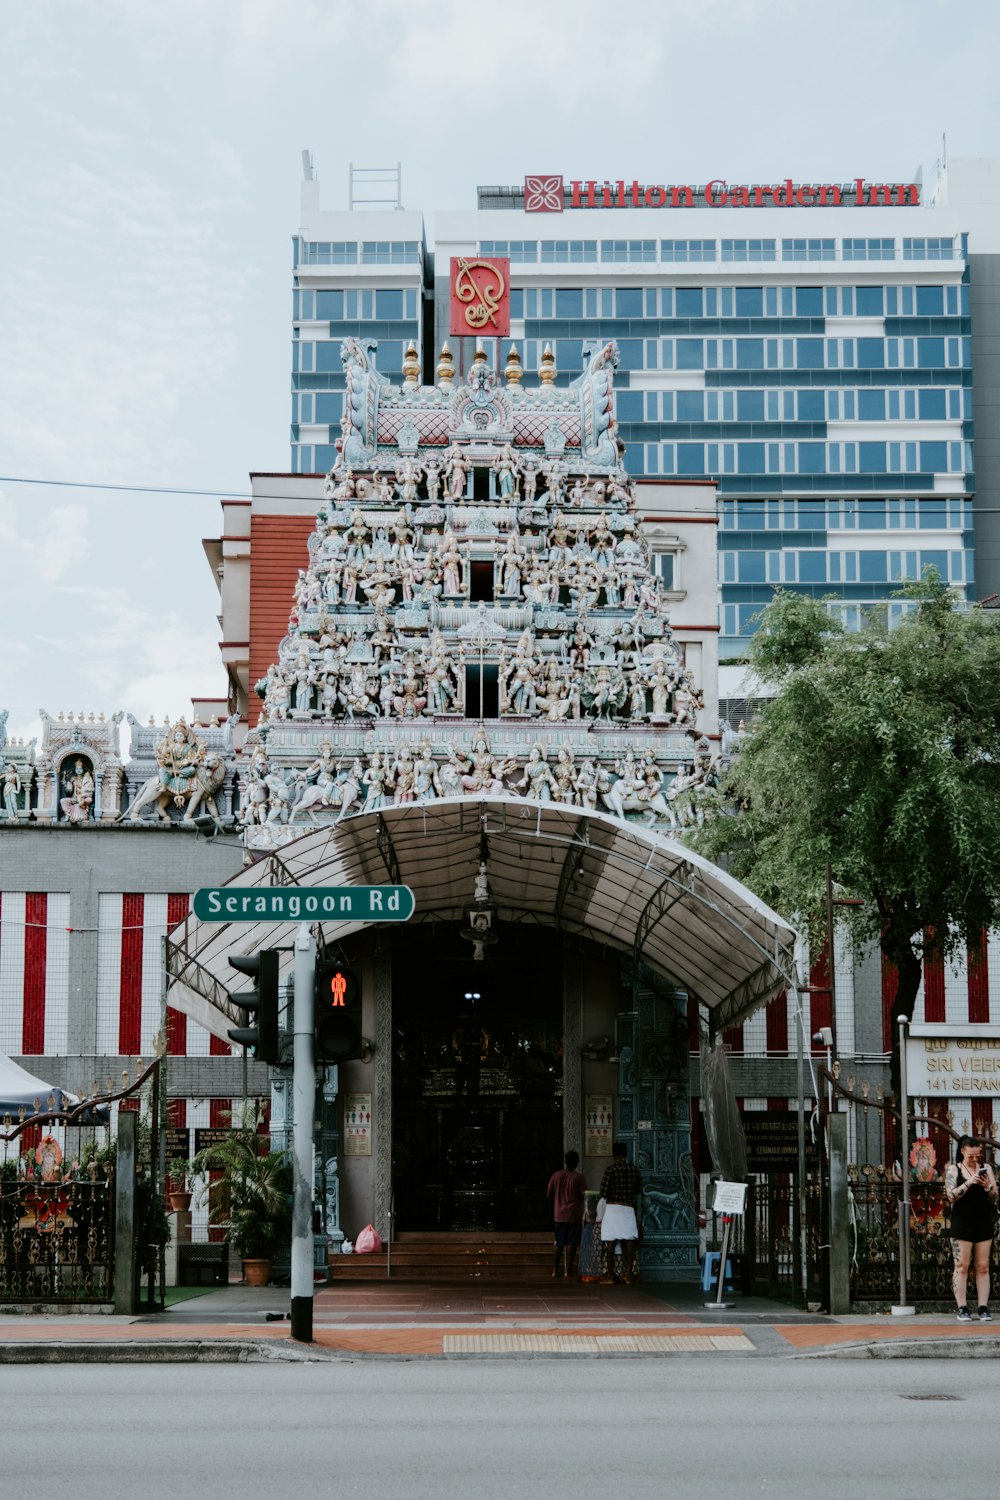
(480, 297)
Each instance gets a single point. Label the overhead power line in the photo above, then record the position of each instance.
(137, 489)
(223, 494)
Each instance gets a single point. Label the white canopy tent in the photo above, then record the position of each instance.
(20, 1089)
(585, 873)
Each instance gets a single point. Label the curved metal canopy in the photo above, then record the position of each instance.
(581, 872)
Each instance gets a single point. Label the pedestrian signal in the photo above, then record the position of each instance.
(338, 1014)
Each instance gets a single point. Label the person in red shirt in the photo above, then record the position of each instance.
(567, 1190)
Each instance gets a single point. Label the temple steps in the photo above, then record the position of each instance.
(471, 1256)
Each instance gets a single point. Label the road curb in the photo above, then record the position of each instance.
(166, 1351)
(937, 1348)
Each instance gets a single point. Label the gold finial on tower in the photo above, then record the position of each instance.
(445, 368)
(411, 367)
(513, 373)
(547, 368)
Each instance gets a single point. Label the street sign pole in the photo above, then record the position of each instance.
(303, 1104)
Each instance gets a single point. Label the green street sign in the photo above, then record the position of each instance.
(304, 903)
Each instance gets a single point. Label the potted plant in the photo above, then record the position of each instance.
(251, 1196)
(179, 1194)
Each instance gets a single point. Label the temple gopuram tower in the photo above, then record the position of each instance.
(457, 661)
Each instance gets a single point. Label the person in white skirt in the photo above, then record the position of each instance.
(620, 1188)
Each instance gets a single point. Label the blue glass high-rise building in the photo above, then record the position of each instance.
(357, 274)
(811, 354)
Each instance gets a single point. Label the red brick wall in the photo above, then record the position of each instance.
(278, 549)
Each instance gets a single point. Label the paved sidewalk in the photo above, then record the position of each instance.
(414, 1320)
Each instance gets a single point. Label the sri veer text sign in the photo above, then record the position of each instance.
(952, 1059)
(294, 903)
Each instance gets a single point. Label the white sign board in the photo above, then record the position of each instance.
(944, 1061)
(730, 1197)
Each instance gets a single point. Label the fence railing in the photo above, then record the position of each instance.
(56, 1241)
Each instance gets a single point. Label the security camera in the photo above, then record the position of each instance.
(824, 1036)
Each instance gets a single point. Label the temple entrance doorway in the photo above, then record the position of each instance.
(477, 1080)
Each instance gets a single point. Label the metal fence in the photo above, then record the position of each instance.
(56, 1241)
(875, 1198)
(767, 1243)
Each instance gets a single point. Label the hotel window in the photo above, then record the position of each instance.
(808, 249)
(569, 302)
(748, 250)
(750, 515)
(928, 249)
(628, 302)
(902, 514)
(329, 253)
(904, 567)
(679, 251)
(576, 252)
(389, 252)
(842, 567)
(628, 250)
(849, 615)
(869, 249)
(519, 252)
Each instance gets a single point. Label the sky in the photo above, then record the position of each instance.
(150, 189)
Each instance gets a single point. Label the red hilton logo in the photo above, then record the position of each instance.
(543, 195)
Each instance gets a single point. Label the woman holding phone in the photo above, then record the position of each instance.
(972, 1192)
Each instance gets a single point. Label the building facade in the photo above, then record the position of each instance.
(480, 625)
(808, 347)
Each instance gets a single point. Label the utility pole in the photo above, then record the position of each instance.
(904, 1308)
(303, 1104)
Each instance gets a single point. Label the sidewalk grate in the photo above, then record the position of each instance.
(619, 1343)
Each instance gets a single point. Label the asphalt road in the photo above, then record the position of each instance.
(686, 1426)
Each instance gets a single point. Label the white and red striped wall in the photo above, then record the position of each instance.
(34, 972)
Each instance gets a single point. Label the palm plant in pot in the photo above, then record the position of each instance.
(251, 1194)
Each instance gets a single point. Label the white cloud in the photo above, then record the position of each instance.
(87, 627)
(102, 350)
(45, 552)
(67, 544)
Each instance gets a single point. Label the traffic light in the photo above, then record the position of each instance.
(261, 1001)
(338, 1013)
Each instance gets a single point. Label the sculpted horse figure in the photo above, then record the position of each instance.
(208, 779)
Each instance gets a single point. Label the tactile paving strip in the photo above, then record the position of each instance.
(618, 1343)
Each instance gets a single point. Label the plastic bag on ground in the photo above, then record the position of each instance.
(367, 1241)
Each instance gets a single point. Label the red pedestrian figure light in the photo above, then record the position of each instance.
(338, 987)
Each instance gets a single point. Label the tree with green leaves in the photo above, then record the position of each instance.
(880, 754)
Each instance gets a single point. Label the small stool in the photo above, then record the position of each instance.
(710, 1271)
